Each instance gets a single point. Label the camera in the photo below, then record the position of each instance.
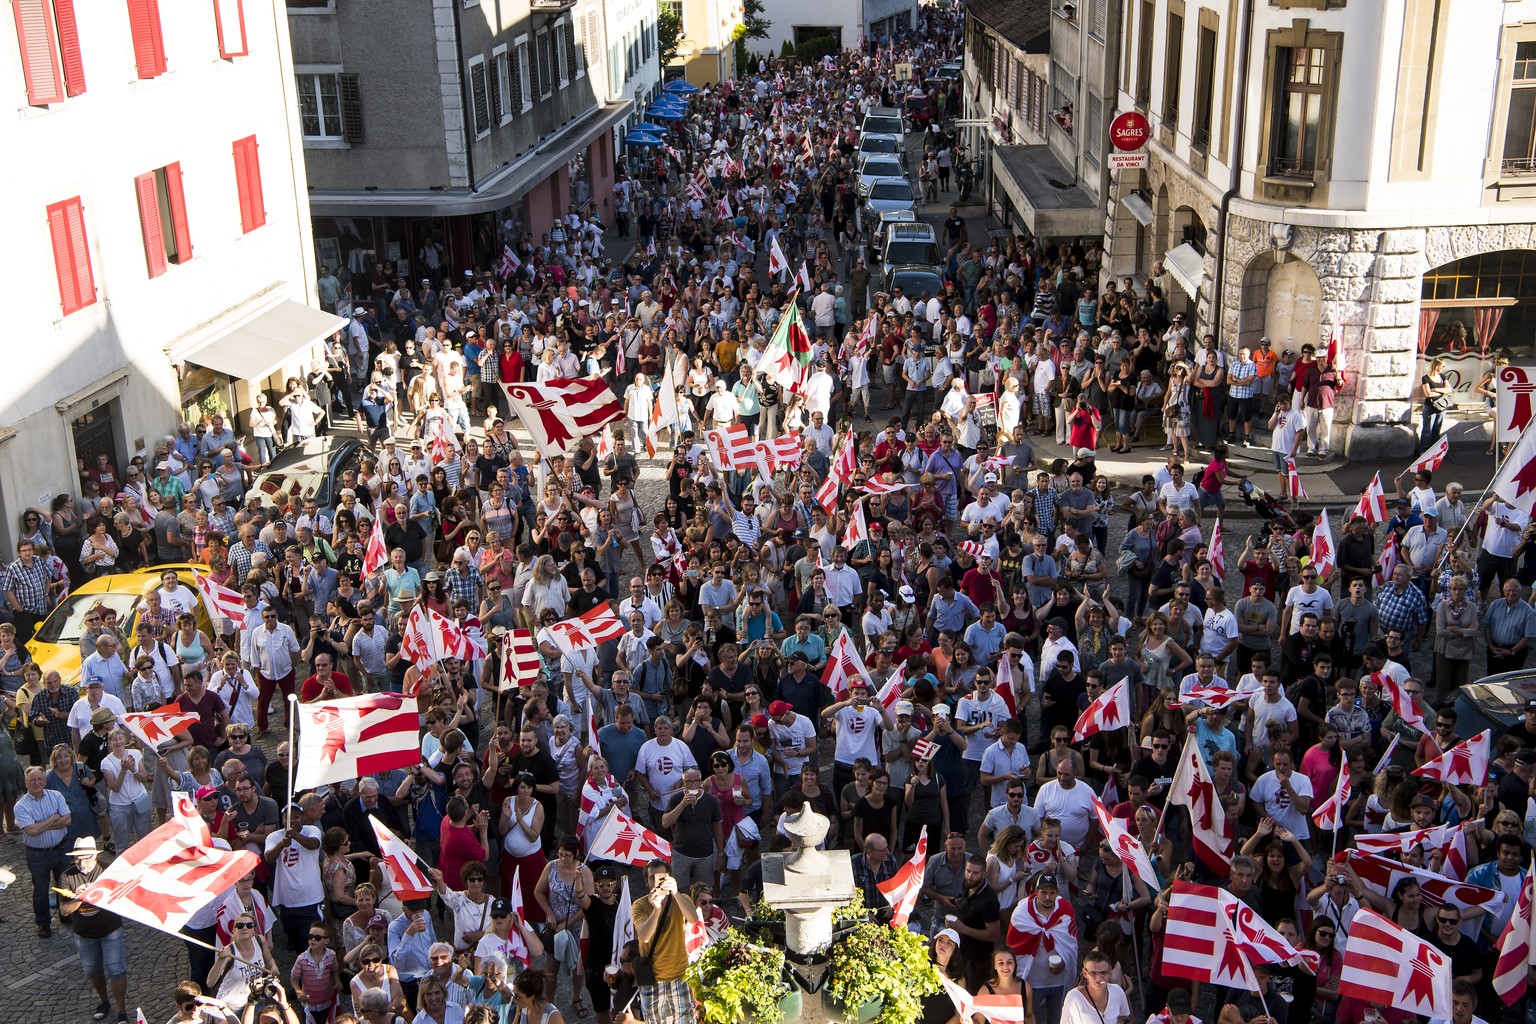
(266, 986)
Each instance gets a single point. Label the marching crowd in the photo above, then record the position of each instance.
(915, 652)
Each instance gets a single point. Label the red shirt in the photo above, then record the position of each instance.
(460, 845)
(312, 688)
(979, 586)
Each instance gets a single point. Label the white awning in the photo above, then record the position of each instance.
(262, 344)
(1187, 266)
(1139, 208)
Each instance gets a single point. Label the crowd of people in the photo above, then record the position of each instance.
(987, 577)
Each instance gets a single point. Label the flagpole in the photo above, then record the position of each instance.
(293, 754)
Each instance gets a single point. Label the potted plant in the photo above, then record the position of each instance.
(736, 979)
(880, 972)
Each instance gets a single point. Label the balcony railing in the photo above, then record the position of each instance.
(1518, 167)
(1291, 167)
(1201, 139)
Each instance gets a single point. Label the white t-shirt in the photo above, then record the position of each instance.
(1179, 498)
(1498, 540)
(1220, 629)
(1299, 601)
(1284, 437)
(80, 712)
(663, 766)
(131, 788)
(793, 736)
(1072, 807)
(970, 711)
(856, 733)
(296, 872)
(1282, 711)
(1077, 1008)
(1277, 804)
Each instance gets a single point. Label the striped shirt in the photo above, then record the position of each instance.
(1402, 609)
(1247, 370)
(1507, 623)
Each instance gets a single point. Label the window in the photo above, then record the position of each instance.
(573, 58)
(1298, 110)
(71, 255)
(229, 17)
(522, 72)
(1098, 18)
(674, 8)
(163, 216)
(319, 106)
(589, 54)
(148, 44)
(558, 55)
(544, 83)
(1520, 127)
(49, 46)
(1094, 130)
(1173, 70)
(501, 85)
(1205, 86)
(479, 97)
(1144, 55)
(253, 208)
(1063, 97)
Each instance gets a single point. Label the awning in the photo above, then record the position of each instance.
(496, 192)
(262, 344)
(1046, 194)
(1187, 266)
(1139, 208)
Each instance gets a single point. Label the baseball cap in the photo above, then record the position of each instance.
(605, 871)
(908, 595)
(779, 707)
(204, 792)
(1424, 801)
(950, 934)
(378, 921)
(1525, 755)
(941, 711)
(800, 656)
(759, 721)
(500, 908)
(902, 707)
(1047, 881)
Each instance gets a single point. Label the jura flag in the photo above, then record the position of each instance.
(1432, 456)
(625, 840)
(1111, 710)
(591, 628)
(777, 263)
(1126, 846)
(156, 727)
(165, 878)
(1329, 814)
(1515, 481)
(1197, 939)
(901, 889)
(1293, 479)
(221, 601)
(731, 447)
(377, 554)
(1192, 788)
(1324, 554)
(1400, 699)
(407, 874)
(1465, 764)
(858, 529)
(843, 666)
(355, 736)
(559, 413)
(520, 661)
(1373, 502)
(1515, 946)
(1218, 553)
(1386, 965)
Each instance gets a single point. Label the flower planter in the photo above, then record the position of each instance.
(861, 1014)
(789, 1009)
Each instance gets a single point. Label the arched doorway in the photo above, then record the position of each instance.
(1281, 299)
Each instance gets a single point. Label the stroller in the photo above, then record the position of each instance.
(1268, 508)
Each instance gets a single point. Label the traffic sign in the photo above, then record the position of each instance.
(1129, 131)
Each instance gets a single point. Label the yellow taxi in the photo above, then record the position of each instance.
(56, 644)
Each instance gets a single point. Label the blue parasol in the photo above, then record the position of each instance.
(680, 86)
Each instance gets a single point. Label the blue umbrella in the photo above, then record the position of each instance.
(680, 86)
(641, 139)
(646, 126)
(664, 115)
(676, 108)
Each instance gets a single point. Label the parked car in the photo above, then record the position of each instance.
(912, 242)
(950, 69)
(879, 165)
(1494, 702)
(313, 467)
(56, 644)
(914, 279)
(887, 144)
(886, 194)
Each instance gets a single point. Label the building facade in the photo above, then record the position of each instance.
(1335, 165)
(706, 54)
(847, 21)
(432, 157)
(158, 229)
(628, 59)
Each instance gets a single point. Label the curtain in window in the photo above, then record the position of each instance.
(1485, 321)
(1427, 320)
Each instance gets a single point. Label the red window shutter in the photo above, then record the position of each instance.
(69, 47)
(149, 218)
(253, 209)
(229, 17)
(71, 255)
(178, 204)
(39, 58)
(148, 45)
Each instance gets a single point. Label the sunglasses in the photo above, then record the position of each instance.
(244, 925)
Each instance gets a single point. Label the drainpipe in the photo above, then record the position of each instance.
(468, 120)
(1245, 47)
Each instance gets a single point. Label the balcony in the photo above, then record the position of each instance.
(1521, 167)
(550, 6)
(1292, 167)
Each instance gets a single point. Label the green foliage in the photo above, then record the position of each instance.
(752, 19)
(877, 962)
(815, 48)
(853, 910)
(669, 33)
(735, 978)
(787, 50)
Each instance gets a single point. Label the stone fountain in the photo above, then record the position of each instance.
(806, 883)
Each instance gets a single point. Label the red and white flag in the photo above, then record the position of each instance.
(1218, 553)
(723, 209)
(843, 666)
(1293, 484)
(1431, 458)
(595, 801)
(1324, 554)
(1258, 940)
(1007, 685)
(776, 453)
(847, 461)
(778, 263)
(1385, 965)
(1192, 787)
(1433, 837)
(1381, 875)
(167, 877)
(591, 628)
(1208, 696)
(1373, 502)
(1127, 847)
(1329, 814)
(558, 413)
(156, 727)
(221, 601)
(355, 736)
(1465, 764)
(427, 638)
(826, 494)
(1198, 941)
(902, 889)
(377, 554)
(697, 187)
(890, 693)
(1109, 711)
(856, 531)
(1386, 755)
(803, 275)
(1389, 559)
(731, 447)
(520, 661)
(878, 485)
(623, 839)
(509, 262)
(1402, 703)
(973, 548)
(407, 874)
(623, 924)
(1515, 481)
(1517, 951)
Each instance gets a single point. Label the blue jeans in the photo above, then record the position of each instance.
(266, 449)
(104, 956)
(47, 869)
(128, 821)
(1433, 424)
